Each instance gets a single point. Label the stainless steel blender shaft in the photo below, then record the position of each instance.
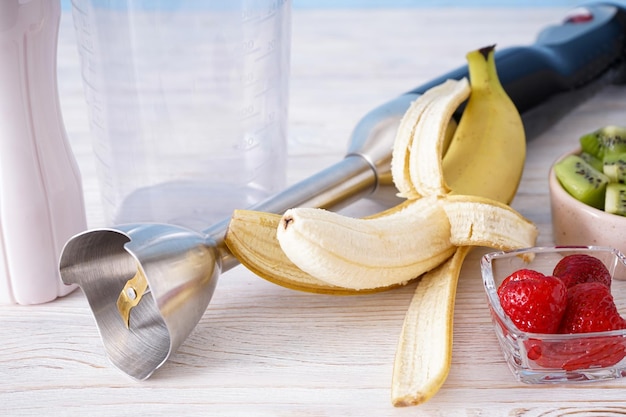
(180, 267)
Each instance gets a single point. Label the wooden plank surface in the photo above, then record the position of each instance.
(262, 350)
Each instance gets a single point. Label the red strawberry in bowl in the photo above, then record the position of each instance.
(533, 301)
(590, 308)
(579, 268)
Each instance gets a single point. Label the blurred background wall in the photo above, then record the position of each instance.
(418, 3)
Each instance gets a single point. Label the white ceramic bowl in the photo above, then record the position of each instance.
(577, 224)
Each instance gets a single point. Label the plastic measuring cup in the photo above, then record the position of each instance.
(187, 102)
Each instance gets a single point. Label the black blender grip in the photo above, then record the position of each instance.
(588, 44)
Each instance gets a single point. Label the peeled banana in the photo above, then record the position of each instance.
(457, 196)
(250, 230)
(391, 250)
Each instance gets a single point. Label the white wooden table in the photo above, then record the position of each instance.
(262, 350)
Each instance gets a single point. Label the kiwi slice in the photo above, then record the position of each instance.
(581, 180)
(614, 167)
(592, 160)
(604, 141)
(615, 201)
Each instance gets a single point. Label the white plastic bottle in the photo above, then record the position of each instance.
(41, 197)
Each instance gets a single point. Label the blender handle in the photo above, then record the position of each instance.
(588, 44)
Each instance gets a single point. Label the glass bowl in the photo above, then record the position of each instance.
(537, 358)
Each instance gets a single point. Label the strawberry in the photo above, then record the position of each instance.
(533, 301)
(590, 308)
(579, 268)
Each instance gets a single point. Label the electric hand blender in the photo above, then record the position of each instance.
(149, 284)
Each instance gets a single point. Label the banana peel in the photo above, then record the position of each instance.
(416, 165)
(424, 350)
(485, 157)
